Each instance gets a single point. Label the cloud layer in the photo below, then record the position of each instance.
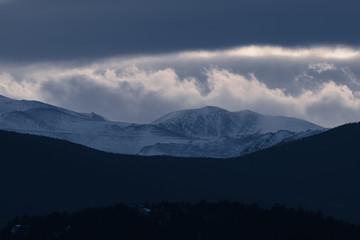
(63, 29)
(316, 85)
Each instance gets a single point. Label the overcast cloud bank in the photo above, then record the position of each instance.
(43, 30)
(319, 84)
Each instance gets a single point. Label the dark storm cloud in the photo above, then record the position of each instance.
(64, 29)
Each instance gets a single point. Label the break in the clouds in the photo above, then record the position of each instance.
(37, 30)
(319, 84)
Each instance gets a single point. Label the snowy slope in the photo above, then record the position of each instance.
(206, 132)
(212, 122)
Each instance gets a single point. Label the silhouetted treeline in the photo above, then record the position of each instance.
(39, 175)
(167, 220)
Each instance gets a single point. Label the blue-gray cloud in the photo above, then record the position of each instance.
(64, 29)
(317, 84)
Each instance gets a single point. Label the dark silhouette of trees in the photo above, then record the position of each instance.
(180, 220)
(39, 175)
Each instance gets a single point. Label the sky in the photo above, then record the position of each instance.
(135, 60)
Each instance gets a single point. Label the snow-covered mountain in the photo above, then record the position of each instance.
(213, 122)
(205, 132)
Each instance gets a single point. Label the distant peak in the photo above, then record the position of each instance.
(247, 111)
(218, 109)
(211, 109)
(95, 116)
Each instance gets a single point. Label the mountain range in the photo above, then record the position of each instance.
(204, 132)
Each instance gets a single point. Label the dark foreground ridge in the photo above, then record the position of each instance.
(39, 175)
(165, 220)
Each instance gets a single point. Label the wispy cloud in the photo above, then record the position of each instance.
(281, 52)
(322, 67)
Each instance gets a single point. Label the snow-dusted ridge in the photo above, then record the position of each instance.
(211, 122)
(206, 132)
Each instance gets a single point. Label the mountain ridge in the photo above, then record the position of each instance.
(186, 133)
(40, 174)
(229, 123)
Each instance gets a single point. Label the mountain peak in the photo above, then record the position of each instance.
(94, 116)
(207, 131)
(213, 122)
(247, 111)
(210, 109)
(190, 112)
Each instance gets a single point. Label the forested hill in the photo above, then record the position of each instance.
(40, 175)
(206, 221)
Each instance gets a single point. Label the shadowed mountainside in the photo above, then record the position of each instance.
(40, 175)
